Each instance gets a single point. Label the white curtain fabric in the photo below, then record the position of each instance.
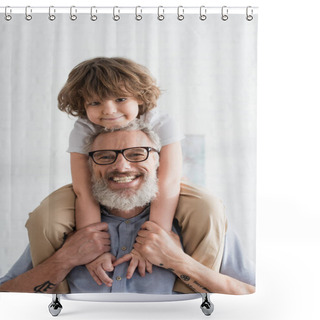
(207, 73)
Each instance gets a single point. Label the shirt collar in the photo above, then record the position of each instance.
(145, 212)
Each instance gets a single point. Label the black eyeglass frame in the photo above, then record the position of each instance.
(149, 149)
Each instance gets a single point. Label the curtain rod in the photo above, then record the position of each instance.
(125, 9)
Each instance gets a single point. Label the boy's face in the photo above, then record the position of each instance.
(112, 112)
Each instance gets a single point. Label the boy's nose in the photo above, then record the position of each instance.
(109, 107)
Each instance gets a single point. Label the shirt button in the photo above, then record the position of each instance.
(124, 248)
(118, 278)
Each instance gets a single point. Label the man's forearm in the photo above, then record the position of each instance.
(202, 279)
(41, 279)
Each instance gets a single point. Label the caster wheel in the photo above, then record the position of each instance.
(207, 308)
(55, 307)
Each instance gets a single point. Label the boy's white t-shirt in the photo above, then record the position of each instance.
(162, 124)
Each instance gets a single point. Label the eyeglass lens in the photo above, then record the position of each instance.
(132, 154)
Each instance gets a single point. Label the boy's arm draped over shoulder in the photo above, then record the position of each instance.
(87, 208)
(163, 208)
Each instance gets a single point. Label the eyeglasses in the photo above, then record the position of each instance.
(136, 154)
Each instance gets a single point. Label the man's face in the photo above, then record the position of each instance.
(125, 183)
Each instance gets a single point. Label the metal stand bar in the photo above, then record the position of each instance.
(55, 306)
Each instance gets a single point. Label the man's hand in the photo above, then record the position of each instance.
(81, 247)
(99, 266)
(136, 261)
(163, 249)
(158, 246)
(85, 245)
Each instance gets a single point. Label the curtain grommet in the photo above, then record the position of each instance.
(93, 17)
(116, 17)
(180, 13)
(138, 16)
(160, 16)
(28, 16)
(224, 13)
(51, 17)
(203, 13)
(73, 16)
(249, 17)
(7, 16)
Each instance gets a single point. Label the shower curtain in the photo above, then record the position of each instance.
(205, 65)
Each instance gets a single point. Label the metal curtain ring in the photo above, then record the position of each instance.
(249, 17)
(160, 16)
(224, 13)
(28, 16)
(138, 16)
(93, 17)
(7, 16)
(116, 17)
(51, 16)
(203, 13)
(73, 17)
(180, 13)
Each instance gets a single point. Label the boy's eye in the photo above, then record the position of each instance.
(94, 103)
(121, 99)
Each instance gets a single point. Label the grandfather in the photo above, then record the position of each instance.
(124, 188)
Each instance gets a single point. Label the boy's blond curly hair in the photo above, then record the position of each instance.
(107, 77)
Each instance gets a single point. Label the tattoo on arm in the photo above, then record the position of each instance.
(199, 285)
(184, 277)
(44, 287)
(162, 266)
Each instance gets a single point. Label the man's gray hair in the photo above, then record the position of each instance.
(135, 125)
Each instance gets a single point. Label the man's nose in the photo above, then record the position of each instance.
(109, 107)
(121, 164)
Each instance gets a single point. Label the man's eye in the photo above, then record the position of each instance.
(136, 155)
(108, 157)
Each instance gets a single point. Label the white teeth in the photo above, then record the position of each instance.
(123, 179)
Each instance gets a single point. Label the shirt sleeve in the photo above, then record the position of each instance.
(22, 265)
(166, 127)
(79, 135)
(234, 264)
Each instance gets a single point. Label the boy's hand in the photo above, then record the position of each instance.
(98, 268)
(136, 261)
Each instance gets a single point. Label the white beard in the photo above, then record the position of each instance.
(125, 200)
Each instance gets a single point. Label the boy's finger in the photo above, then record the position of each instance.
(95, 277)
(132, 267)
(103, 276)
(123, 259)
(107, 264)
(149, 266)
(142, 267)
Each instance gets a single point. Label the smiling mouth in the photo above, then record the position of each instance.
(124, 179)
(111, 119)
